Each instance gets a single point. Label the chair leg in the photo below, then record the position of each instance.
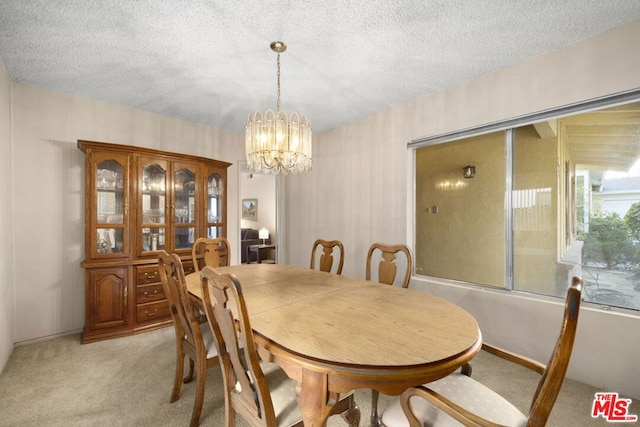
(229, 413)
(201, 379)
(466, 369)
(177, 381)
(375, 418)
(189, 376)
(352, 414)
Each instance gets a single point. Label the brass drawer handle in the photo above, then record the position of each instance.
(149, 276)
(151, 313)
(146, 293)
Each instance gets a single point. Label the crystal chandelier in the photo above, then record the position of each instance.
(276, 142)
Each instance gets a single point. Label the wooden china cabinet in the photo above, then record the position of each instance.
(140, 201)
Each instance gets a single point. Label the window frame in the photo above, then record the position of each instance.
(509, 126)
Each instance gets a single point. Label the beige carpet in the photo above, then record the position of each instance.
(127, 382)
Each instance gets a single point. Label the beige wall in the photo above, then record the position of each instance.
(7, 308)
(49, 193)
(360, 191)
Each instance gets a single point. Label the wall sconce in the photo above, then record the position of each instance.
(263, 234)
(469, 171)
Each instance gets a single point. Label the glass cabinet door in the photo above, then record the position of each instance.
(215, 208)
(153, 207)
(184, 206)
(110, 183)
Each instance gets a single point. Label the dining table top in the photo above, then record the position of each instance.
(345, 321)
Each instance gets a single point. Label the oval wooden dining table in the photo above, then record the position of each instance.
(334, 334)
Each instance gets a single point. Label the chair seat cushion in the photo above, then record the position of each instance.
(464, 391)
(209, 342)
(283, 394)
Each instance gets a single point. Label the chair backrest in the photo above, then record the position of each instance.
(214, 252)
(326, 259)
(185, 317)
(553, 376)
(246, 388)
(387, 268)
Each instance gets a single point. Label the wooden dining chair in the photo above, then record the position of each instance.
(326, 259)
(386, 274)
(260, 392)
(215, 252)
(459, 397)
(387, 267)
(193, 339)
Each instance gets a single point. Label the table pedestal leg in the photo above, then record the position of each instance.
(315, 400)
(375, 418)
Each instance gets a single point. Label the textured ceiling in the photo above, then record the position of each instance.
(210, 62)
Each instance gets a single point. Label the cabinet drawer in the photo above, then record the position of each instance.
(152, 312)
(146, 274)
(149, 293)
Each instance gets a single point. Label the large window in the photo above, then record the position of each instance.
(461, 219)
(548, 199)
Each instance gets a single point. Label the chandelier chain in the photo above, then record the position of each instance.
(278, 97)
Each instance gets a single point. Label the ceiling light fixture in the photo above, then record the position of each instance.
(276, 142)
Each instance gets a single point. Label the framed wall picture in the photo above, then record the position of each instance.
(250, 209)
